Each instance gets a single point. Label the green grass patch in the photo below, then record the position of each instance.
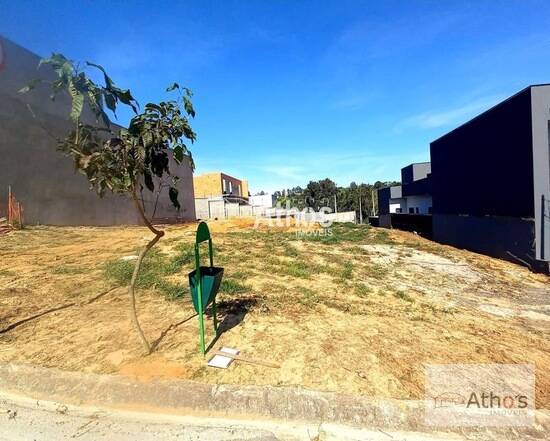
(307, 297)
(403, 296)
(350, 232)
(325, 236)
(67, 269)
(231, 286)
(185, 255)
(336, 233)
(375, 270)
(381, 237)
(240, 275)
(290, 250)
(298, 269)
(154, 268)
(347, 270)
(171, 291)
(362, 290)
(343, 272)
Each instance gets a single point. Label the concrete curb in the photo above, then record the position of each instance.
(179, 396)
(207, 399)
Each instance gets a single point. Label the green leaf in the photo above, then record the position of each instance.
(63, 66)
(153, 106)
(108, 81)
(77, 103)
(178, 154)
(110, 101)
(125, 96)
(190, 160)
(147, 139)
(188, 106)
(94, 98)
(30, 85)
(173, 193)
(172, 87)
(113, 93)
(148, 180)
(159, 163)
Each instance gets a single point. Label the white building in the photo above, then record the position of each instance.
(262, 200)
(413, 196)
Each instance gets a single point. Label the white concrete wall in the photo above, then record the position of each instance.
(217, 208)
(398, 203)
(311, 216)
(232, 210)
(263, 200)
(210, 208)
(345, 216)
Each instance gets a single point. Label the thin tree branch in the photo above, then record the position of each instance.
(54, 309)
(143, 252)
(141, 212)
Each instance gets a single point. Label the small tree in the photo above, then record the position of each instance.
(123, 161)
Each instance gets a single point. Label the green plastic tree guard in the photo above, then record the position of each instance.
(204, 283)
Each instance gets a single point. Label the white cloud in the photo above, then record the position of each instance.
(447, 117)
(278, 172)
(352, 102)
(285, 171)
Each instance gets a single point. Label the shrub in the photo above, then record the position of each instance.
(403, 296)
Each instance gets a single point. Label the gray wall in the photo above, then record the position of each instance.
(509, 238)
(384, 196)
(540, 106)
(415, 171)
(42, 178)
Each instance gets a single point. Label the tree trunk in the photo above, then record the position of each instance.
(131, 288)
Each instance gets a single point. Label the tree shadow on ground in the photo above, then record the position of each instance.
(155, 344)
(231, 312)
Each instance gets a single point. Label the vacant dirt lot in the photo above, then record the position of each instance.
(360, 311)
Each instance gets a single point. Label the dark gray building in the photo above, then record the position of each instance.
(413, 196)
(491, 181)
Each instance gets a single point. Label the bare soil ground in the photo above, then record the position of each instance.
(361, 311)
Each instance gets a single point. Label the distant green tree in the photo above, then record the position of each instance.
(123, 161)
(321, 193)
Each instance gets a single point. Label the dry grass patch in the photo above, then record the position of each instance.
(380, 302)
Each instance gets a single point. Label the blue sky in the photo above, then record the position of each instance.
(289, 91)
